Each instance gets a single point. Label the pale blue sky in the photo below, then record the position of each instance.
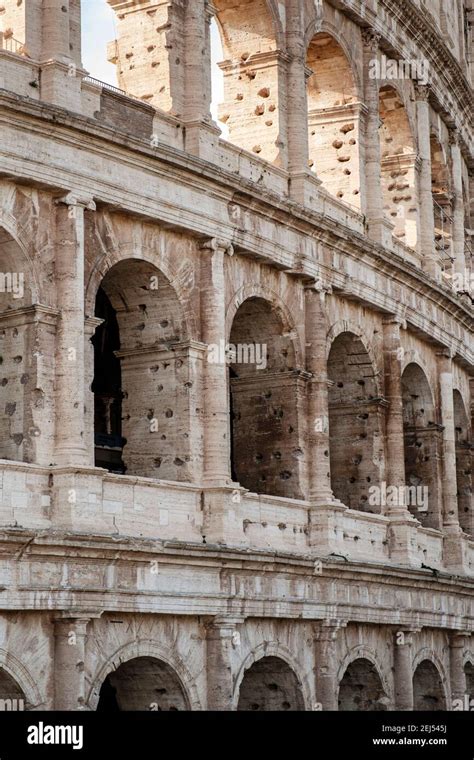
(98, 28)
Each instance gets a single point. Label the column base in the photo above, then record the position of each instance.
(326, 527)
(455, 550)
(403, 539)
(381, 231)
(223, 521)
(304, 189)
(202, 139)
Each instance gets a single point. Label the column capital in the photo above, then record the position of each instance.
(445, 353)
(422, 92)
(454, 137)
(217, 244)
(371, 38)
(459, 638)
(73, 199)
(327, 630)
(395, 319)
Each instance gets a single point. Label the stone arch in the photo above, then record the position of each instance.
(356, 423)
(334, 115)
(257, 290)
(20, 675)
(21, 434)
(266, 391)
(398, 164)
(141, 385)
(441, 186)
(145, 648)
(469, 673)
(252, 40)
(25, 243)
(273, 649)
(422, 443)
(128, 251)
(348, 325)
(361, 677)
(430, 684)
(463, 463)
(326, 26)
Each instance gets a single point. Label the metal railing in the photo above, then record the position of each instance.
(12, 45)
(106, 86)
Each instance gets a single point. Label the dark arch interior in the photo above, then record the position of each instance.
(142, 684)
(355, 423)
(141, 384)
(469, 671)
(361, 689)
(428, 692)
(422, 446)
(266, 457)
(11, 695)
(463, 464)
(107, 388)
(270, 684)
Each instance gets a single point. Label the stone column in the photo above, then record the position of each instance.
(61, 69)
(395, 449)
(69, 657)
(326, 513)
(402, 528)
(427, 229)
(297, 98)
(216, 402)
(223, 638)
(453, 544)
(403, 669)
(201, 132)
(458, 642)
(450, 505)
(326, 663)
(70, 369)
(458, 214)
(56, 30)
(319, 466)
(378, 227)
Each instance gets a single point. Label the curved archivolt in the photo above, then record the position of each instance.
(270, 684)
(428, 691)
(361, 689)
(142, 684)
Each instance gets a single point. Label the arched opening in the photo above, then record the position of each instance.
(463, 464)
(398, 166)
(264, 392)
(442, 205)
(253, 77)
(361, 689)
(142, 389)
(469, 673)
(142, 684)
(270, 685)
(333, 119)
(422, 439)
(355, 424)
(428, 692)
(12, 698)
(20, 327)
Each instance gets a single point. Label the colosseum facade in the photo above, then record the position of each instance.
(236, 374)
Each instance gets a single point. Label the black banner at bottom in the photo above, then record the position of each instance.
(97, 735)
